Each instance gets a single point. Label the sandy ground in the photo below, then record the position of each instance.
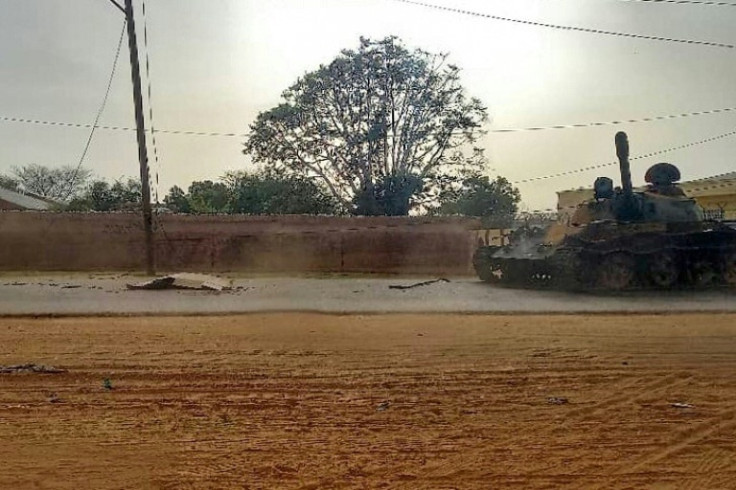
(83, 294)
(310, 401)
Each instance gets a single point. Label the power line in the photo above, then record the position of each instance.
(687, 2)
(150, 103)
(609, 164)
(115, 128)
(614, 123)
(119, 7)
(94, 125)
(568, 28)
(503, 130)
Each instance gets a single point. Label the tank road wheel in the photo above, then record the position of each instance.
(663, 271)
(569, 272)
(615, 272)
(485, 266)
(703, 273)
(728, 271)
(519, 272)
(491, 273)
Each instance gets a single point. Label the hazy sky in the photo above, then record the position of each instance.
(216, 63)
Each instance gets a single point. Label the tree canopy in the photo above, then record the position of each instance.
(252, 193)
(495, 201)
(99, 195)
(59, 183)
(177, 201)
(383, 127)
(269, 193)
(208, 197)
(8, 182)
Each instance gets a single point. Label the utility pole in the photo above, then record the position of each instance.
(141, 134)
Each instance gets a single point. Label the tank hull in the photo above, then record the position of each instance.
(618, 256)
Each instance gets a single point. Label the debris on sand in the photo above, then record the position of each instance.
(185, 281)
(419, 284)
(383, 406)
(557, 400)
(682, 405)
(30, 368)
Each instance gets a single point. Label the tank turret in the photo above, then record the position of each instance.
(662, 201)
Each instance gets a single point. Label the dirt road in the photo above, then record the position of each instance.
(390, 401)
(83, 294)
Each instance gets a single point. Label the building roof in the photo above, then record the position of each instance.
(707, 186)
(24, 201)
(717, 185)
(711, 186)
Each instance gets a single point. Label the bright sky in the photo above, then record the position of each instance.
(216, 63)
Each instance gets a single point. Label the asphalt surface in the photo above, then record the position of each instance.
(83, 294)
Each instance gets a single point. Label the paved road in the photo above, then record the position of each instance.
(107, 294)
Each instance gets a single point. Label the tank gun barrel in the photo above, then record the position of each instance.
(628, 208)
(622, 152)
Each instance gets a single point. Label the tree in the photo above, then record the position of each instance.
(390, 196)
(8, 182)
(61, 183)
(101, 196)
(269, 193)
(208, 197)
(177, 201)
(495, 201)
(127, 193)
(383, 128)
(97, 197)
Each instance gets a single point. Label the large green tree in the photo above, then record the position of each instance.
(270, 193)
(99, 195)
(177, 200)
(208, 197)
(494, 201)
(384, 128)
(260, 192)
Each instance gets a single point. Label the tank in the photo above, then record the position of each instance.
(621, 239)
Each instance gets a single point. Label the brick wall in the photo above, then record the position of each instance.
(287, 244)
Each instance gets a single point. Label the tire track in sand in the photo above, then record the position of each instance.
(628, 391)
(684, 439)
(618, 400)
(708, 471)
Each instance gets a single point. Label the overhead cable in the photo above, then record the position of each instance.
(114, 128)
(688, 2)
(639, 157)
(569, 28)
(94, 125)
(614, 123)
(118, 6)
(502, 130)
(150, 104)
